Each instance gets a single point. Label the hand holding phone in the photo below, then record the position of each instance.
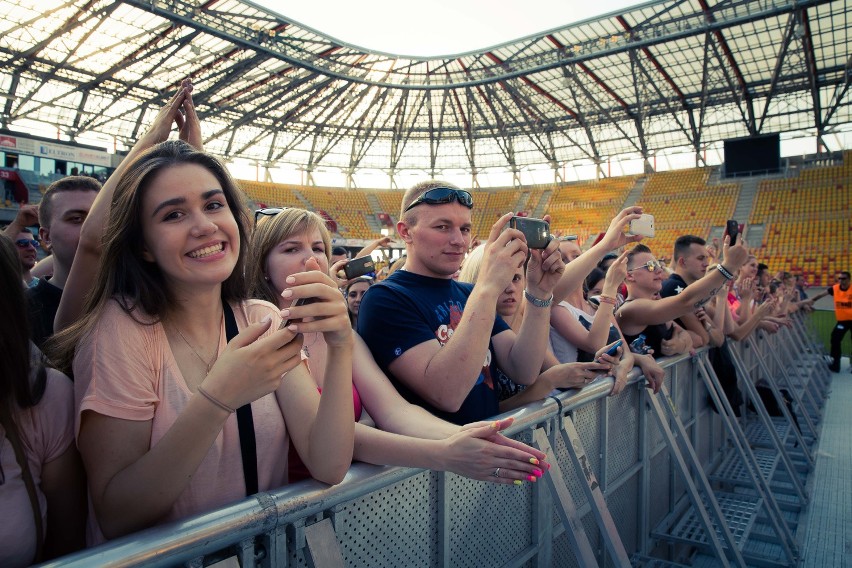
(297, 303)
(644, 226)
(613, 350)
(732, 229)
(358, 267)
(536, 231)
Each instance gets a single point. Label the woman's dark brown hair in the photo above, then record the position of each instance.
(123, 274)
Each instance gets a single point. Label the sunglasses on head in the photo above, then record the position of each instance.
(441, 195)
(22, 243)
(269, 212)
(651, 266)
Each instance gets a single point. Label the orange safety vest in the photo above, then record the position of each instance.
(842, 303)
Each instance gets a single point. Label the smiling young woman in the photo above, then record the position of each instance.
(158, 379)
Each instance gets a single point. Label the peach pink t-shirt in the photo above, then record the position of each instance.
(125, 369)
(46, 433)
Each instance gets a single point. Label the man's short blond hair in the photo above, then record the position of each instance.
(412, 194)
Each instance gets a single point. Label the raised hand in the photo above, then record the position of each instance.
(615, 275)
(504, 253)
(615, 237)
(544, 270)
(171, 114)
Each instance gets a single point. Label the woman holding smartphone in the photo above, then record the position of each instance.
(285, 243)
(157, 380)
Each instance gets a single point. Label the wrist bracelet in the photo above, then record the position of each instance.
(725, 272)
(215, 401)
(607, 299)
(536, 302)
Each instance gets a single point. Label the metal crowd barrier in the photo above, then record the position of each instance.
(641, 479)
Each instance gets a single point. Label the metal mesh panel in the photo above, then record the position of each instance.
(660, 488)
(572, 478)
(588, 422)
(623, 505)
(739, 513)
(684, 387)
(622, 449)
(489, 523)
(562, 554)
(368, 539)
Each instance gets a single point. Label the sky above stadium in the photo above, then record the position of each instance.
(437, 27)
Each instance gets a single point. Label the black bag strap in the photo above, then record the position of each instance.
(245, 422)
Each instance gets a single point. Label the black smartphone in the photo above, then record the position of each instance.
(732, 229)
(358, 267)
(536, 231)
(299, 302)
(614, 349)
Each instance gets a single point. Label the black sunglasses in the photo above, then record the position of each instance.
(269, 212)
(22, 243)
(441, 195)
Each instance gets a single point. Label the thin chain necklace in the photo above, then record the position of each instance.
(200, 358)
(305, 347)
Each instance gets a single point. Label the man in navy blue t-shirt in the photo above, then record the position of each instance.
(439, 340)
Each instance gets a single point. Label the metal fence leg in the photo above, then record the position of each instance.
(565, 507)
(766, 420)
(323, 548)
(692, 490)
(737, 437)
(767, 375)
(592, 489)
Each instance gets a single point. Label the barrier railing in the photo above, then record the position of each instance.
(615, 481)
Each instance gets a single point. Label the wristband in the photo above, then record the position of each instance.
(607, 299)
(215, 401)
(536, 302)
(725, 272)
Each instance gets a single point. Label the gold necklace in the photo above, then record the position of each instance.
(200, 358)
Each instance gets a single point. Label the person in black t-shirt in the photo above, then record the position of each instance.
(436, 338)
(63, 209)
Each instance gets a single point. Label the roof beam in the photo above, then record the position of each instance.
(237, 29)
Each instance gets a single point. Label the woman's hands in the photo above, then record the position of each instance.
(252, 367)
(615, 275)
(479, 449)
(615, 237)
(577, 375)
(180, 111)
(327, 314)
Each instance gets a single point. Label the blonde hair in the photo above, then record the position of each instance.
(470, 267)
(270, 231)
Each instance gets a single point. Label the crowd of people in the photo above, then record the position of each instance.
(178, 354)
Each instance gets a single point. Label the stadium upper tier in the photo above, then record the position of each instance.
(805, 220)
(657, 76)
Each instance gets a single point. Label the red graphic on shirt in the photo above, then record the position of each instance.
(445, 332)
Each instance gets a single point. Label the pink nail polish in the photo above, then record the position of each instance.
(537, 472)
(531, 478)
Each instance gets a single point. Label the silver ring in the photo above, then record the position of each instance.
(496, 473)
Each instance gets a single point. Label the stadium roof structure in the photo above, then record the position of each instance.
(660, 75)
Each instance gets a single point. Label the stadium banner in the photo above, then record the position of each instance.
(55, 151)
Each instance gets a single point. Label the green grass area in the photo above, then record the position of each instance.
(824, 322)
